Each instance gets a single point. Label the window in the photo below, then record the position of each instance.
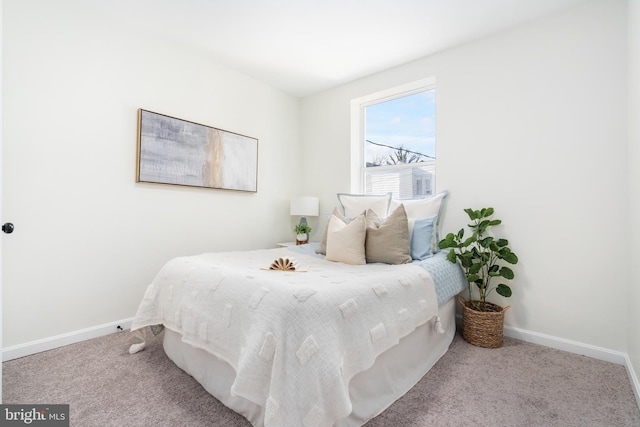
(393, 141)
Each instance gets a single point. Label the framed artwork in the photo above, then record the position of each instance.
(179, 152)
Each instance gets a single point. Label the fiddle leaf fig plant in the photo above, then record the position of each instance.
(482, 257)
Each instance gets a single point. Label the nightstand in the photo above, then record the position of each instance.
(285, 244)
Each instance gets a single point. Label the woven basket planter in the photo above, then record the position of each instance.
(483, 328)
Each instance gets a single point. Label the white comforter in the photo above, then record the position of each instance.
(295, 339)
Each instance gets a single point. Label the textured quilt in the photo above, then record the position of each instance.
(295, 339)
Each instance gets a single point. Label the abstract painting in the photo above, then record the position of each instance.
(179, 152)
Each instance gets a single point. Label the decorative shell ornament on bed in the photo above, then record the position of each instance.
(284, 264)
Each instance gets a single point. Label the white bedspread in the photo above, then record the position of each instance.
(295, 339)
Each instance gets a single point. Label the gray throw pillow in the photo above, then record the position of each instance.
(388, 241)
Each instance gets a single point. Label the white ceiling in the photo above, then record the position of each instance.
(305, 46)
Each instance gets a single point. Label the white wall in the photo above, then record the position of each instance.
(634, 180)
(531, 121)
(88, 239)
(543, 105)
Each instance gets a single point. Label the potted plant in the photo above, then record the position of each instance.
(302, 231)
(482, 258)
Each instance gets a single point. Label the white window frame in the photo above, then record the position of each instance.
(357, 123)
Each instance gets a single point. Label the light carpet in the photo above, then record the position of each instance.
(520, 384)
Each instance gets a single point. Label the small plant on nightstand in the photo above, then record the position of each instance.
(302, 231)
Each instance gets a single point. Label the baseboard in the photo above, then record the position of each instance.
(635, 384)
(26, 349)
(589, 350)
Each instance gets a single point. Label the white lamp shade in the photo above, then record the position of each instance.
(305, 206)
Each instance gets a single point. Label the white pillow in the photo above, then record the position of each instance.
(424, 208)
(354, 204)
(345, 241)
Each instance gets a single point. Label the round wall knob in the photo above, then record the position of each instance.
(8, 228)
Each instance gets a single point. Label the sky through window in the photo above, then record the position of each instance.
(407, 122)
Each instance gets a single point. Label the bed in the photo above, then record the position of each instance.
(327, 344)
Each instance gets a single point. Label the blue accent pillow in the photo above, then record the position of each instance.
(421, 237)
